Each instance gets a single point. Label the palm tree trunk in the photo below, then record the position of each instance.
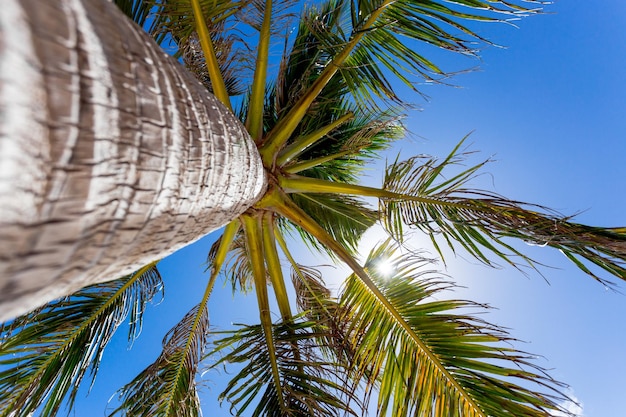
(111, 154)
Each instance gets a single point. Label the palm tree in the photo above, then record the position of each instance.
(112, 156)
(325, 112)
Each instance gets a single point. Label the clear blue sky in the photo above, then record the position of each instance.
(551, 109)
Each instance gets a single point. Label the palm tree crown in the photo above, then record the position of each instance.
(327, 109)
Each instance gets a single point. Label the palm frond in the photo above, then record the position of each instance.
(345, 218)
(45, 355)
(311, 386)
(302, 61)
(387, 334)
(340, 155)
(300, 67)
(168, 386)
(479, 221)
(451, 364)
(312, 293)
(383, 48)
(366, 40)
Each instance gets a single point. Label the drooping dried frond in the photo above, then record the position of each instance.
(311, 386)
(479, 220)
(45, 355)
(321, 308)
(228, 59)
(311, 291)
(237, 268)
(168, 386)
(425, 358)
(176, 16)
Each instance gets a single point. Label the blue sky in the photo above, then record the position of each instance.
(551, 110)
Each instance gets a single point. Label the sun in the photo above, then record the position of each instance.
(385, 267)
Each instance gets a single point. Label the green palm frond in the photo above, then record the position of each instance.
(311, 386)
(343, 217)
(168, 386)
(480, 220)
(302, 63)
(448, 364)
(366, 40)
(383, 49)
(340, 155)
(45, 355)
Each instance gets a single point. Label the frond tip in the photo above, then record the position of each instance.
(480, 221)
(168, 386)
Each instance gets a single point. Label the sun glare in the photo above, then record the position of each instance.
(385, 267)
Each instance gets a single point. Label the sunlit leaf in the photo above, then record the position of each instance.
(479, 221)
(450, 363)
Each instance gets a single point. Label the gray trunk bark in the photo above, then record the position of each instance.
(111, 154)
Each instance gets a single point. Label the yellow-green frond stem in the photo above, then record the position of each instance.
(272, 198)
(252, 229)
(312, 163)
(297, 216)
(298, 184)
(270, 234)
(254, 120)
(230, 231)
(213, 67)
(283, 246)
(302, 143)
(273, 266)
(279, 135)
